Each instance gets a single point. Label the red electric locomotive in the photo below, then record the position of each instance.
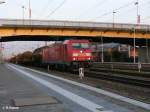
(70, 53)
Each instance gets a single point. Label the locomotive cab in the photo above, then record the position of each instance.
(68, 54)
(79, 52)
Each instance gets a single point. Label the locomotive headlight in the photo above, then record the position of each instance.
(75, 54)
(88, 54)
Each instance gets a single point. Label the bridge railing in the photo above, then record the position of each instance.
(72, 24)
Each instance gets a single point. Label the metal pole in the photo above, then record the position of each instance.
(137, 9)
(113, 18)
(30, 12)
(137, 4)
(134, 46)
(147, 52)
(102, 46)
(129, 53)
(23, 14)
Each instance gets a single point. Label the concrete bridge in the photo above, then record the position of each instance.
(58, 30)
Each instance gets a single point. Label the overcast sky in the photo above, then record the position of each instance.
(77, 10)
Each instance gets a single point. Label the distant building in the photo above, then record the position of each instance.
(114, 52)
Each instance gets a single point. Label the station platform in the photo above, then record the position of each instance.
(27, 90)
(20, 95)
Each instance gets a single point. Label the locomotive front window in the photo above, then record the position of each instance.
(76, 45)
(80, 45)
(84, 45)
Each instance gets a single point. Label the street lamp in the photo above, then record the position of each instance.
(137, 11)
(114, 17)
(138, 21)
(1, 2)
(23, 8)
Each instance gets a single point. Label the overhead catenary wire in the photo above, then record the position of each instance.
(141, 8)
(110, 12)
(57, 8)
(102, 2)
(118, 9)
(141, 4)
(45, 7)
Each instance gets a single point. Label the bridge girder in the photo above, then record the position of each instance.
(33, 31)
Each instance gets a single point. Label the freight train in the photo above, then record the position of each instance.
(69, 54)
(24, 58)
(72, 54)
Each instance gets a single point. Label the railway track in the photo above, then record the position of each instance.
(145, 67)
(121, 78)
(124, 72)
(130, 79)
